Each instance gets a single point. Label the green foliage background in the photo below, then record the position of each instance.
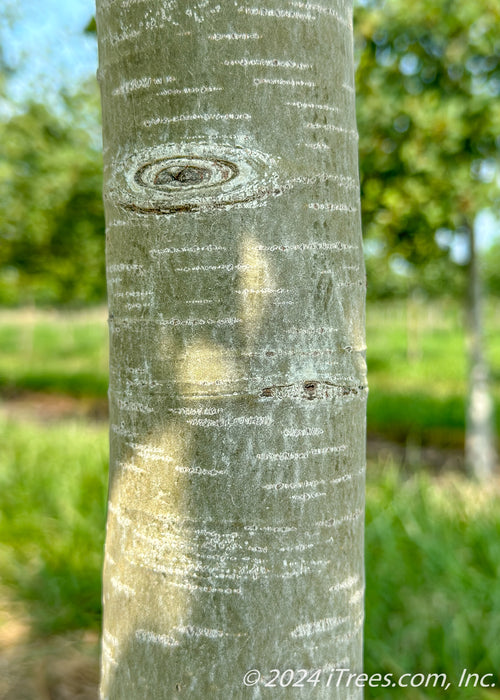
(51, 212)
(428, 84)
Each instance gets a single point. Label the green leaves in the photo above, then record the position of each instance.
(52, 230)
(427, 77)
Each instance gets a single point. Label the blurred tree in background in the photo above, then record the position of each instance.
(491, 268)
(428, 76)
(52, 225)
(428, 83)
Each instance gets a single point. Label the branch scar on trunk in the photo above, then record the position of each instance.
(192, 177)
(311, 389)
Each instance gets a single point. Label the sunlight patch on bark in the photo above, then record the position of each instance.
(150, 487)
(206, 368)
(255, 285)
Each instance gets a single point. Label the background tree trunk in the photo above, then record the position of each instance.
(237, 370)
(480, 449)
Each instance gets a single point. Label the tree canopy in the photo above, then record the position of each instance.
(51, 210)
(428, 83)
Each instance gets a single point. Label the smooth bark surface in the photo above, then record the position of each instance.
(237, 370)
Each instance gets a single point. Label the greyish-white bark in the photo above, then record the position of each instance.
(237, 370)
(480, 448)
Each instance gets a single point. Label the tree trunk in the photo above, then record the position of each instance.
(237, 370)
(480, 450)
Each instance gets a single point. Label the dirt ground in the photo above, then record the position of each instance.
(65, 667)
(43, 407)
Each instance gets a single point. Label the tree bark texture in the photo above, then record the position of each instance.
(237, 368)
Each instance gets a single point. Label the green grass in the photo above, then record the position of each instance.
(433, 572)
(64, 353)
(432, 554)
(52, 518)
(417, 370)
